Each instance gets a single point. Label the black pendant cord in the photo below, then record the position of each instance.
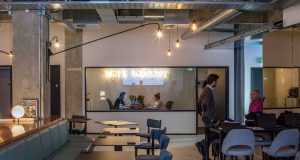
(92, 41)
(1, 51)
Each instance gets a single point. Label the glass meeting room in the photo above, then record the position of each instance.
(162, 92)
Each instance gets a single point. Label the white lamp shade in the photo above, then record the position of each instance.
(18, 111)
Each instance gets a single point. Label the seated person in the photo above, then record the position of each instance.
(256, 105)
(157, 102)
(120, 101)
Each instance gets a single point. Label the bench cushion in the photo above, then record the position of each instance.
(34, 148)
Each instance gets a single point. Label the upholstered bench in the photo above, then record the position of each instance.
(53, 142)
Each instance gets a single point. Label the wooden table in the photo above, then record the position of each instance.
(121, 131)
(116, 123)
(106, 155)
(75, 120)
(117, 141)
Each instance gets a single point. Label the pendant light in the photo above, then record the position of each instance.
(169, 51)
(177, 44)
(194, 25)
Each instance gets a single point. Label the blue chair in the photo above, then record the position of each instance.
(163, 155)
(55, 137)
(151, 124)
(3, 154)
(239, 143)
(46, 143)
(16, 151)
(156, 134)
(33, 148)
(63, 132)
(285, 144)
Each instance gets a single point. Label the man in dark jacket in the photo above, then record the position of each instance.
(207, 103)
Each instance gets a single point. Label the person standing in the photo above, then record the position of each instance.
(208, 106)
(256, 105)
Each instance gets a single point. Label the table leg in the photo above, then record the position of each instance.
(206, 143)
(220, 146)
(118, 148)
(70, 127)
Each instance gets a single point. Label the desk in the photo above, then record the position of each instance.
(121, 131)
(106, 155)
(117, 141)
(75, 120)
(116, 123)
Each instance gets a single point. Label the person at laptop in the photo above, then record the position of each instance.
(157, 104)
(256, 105)
(120, 101)
(257, 102)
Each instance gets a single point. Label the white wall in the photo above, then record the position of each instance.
(252, 51)
(291, 15)
(141, 48)
(5, 43)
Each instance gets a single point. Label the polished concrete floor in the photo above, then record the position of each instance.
(181, 146)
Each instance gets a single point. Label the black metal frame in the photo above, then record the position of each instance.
(196, 89)
(11, 89)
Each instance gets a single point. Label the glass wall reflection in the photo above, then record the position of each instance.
(175, 87)
(281, 87)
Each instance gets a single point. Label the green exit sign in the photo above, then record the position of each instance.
(259, 60)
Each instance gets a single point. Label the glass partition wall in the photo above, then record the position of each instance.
(177, 88)
(281, 78)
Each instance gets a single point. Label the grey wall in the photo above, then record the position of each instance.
(29, 62)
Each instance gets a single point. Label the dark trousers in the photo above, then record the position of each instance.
(209, 136)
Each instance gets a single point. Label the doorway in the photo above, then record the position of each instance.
(55, 90)
(5, 91)
(221, 92)
(257, 79)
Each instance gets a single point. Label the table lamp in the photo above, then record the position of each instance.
(17, 112)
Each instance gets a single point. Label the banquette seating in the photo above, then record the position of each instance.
(48, 143)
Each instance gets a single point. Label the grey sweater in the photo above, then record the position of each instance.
(208, 103)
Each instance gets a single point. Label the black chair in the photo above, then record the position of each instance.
(110, 104)
(156, 134)
(151, 124)
(169, 105)
(266, 120)
(79, 130)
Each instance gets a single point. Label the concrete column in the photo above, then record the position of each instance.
(73, 70)
(29, 67)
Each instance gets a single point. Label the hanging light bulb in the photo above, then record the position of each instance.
(56, 45)
(169, 53)
(159, 33)
(10, 54)
(177, 44)
(194, 25)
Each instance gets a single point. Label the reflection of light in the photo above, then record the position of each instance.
(56, 6)
(265, 78)
(17, 130)
(18, 111)
(102, 95)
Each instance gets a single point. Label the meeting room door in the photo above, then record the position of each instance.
(55, 90)
(5, 91)
(221, 92)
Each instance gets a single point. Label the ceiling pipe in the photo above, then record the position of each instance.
(215, 20)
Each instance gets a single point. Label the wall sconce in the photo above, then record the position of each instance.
(56, 43)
